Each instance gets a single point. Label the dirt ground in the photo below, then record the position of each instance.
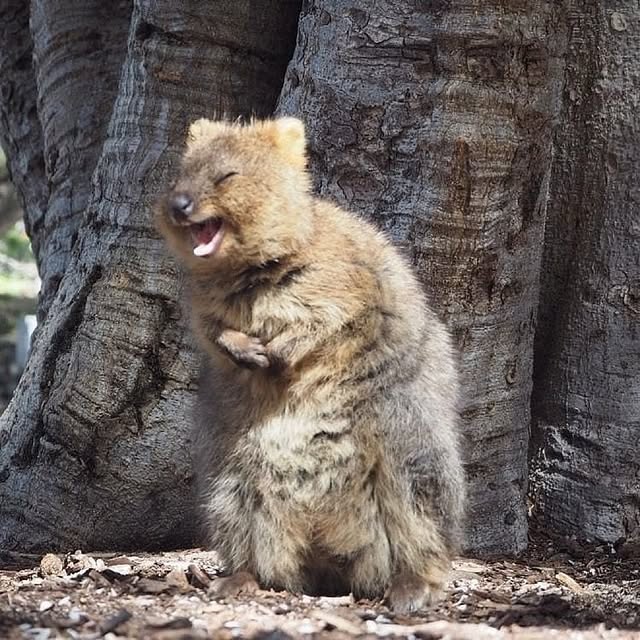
(565, 591)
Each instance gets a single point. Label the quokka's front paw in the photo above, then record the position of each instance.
(409, 593)
(244, 350)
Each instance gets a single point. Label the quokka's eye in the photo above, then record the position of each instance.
(225, 177)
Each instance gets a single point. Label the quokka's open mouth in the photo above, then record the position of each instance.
(206, 236)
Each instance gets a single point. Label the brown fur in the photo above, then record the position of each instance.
(327, 449)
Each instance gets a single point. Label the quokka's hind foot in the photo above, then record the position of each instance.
(233, 585)
(409, 593)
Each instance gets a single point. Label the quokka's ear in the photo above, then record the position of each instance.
(203, 128)
(288, 135)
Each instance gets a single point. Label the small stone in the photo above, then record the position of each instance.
(77, 617)
(169, 623)
(51, 565)
(307, 628)
(371, 626)
(147, 585)
(114, 621)
(281, 609)
(119, 569)
(37, 633)
(45, 605)
(366, 614)
(231, 624)
(183, 634)
(178, 578)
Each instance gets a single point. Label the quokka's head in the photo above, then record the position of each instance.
(241, 196)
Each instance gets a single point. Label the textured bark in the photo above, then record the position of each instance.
(20, 132)
(78, 52)
(94, 446)
(434, 120)
(587, 397)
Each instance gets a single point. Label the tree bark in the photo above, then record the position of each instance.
(78, 50)
(586, 405)
(94, 447)
(434, 120)
(20, 131)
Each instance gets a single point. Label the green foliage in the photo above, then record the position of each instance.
(15, 244)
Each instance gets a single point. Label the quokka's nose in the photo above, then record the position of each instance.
(181, 205)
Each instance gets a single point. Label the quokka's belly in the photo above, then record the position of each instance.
(310, 463)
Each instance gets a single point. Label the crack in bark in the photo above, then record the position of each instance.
(60, 344)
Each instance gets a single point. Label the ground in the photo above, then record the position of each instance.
(567, 592)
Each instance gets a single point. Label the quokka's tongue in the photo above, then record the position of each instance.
(206, 237)
(204, 249)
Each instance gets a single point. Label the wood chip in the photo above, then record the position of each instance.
(335, 601)
(117, 571)
(469, 566)
(336, 621)
(117, 560)
(98, 578)
(198, 576)
(569, 582)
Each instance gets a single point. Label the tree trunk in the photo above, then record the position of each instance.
(432, 119)
(587, 397)
(78, 52)
(94, 445)
(435, 121)
(20, 132)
